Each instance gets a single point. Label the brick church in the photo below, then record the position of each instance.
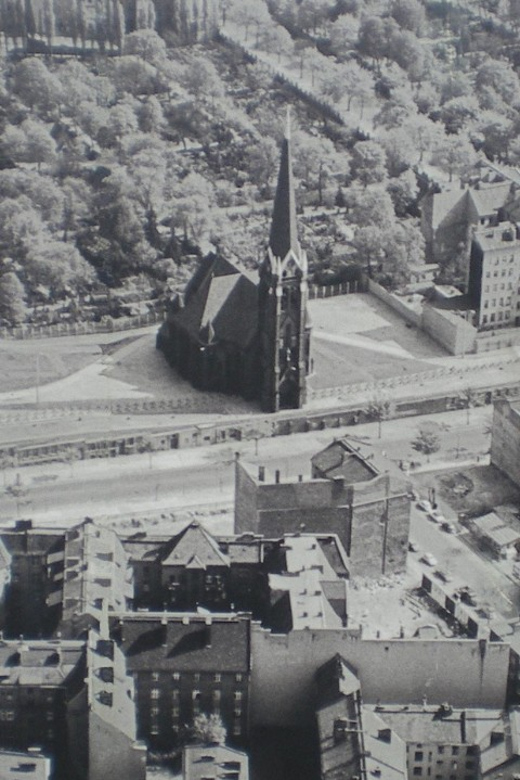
(248, 334)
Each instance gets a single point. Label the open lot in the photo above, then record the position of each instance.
(474, 490)
(357, 338)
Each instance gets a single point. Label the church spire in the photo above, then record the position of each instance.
(283, 236)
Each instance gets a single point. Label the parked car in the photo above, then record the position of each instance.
(425, 505)
(429, 559)
(436, 516)
(449, 528)
(443, 575)
(413, 546)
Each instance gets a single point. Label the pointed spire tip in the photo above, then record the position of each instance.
(288, 124)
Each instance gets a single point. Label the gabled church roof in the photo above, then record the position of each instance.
(221, 300)
(284, 236)
(193, 548)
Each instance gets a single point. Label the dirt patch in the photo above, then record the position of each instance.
(141, 365)
(109, 349)
(473, 491)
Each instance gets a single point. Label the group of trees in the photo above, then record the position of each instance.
(122, 164)
(81, 26)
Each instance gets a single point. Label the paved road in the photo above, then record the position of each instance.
(61, 493)
(487, 577)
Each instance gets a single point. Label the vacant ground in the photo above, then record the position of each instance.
(473, 491)
(357, 338)
(388, 607)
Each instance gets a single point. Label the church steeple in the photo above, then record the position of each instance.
(283, 324)
(283, 236)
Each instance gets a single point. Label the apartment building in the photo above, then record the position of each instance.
(505, 437)
(184, 664)
(494, 276)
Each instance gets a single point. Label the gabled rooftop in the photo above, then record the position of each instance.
(194, 547)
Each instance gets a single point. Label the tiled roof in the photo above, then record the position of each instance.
(222, 300)
(38, 662)
(187, 642)
(444, 202)
(340, 459)
(488, 199)
(492, 526)
(194, 546)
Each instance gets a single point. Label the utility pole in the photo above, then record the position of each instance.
(385, 522)
(37, 379)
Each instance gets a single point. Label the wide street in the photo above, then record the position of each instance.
(59, 493)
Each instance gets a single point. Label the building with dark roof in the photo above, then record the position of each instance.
(38, 679)
(195, 569)
(353, 493)
(353, 742)
(448, 217)
(249, 335)
(34, 553)
(184, 665)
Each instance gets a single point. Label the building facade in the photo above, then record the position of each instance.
(184, 665)
(494, 276)
(352, 493)
(505, 438)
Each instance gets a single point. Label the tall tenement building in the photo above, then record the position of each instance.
(236, 333)
(494, 276)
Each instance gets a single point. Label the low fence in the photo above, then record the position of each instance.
(372, 390)
(81, 328)
(497, 339)
(331, 290)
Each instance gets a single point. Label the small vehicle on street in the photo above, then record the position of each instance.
(413, 546)
(436, 516)
(444, 576)
(449, 528)
(425, 505)
(429, 559)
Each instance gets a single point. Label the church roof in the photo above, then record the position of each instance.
(222, 301)
(194, 548)
(283, 236)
